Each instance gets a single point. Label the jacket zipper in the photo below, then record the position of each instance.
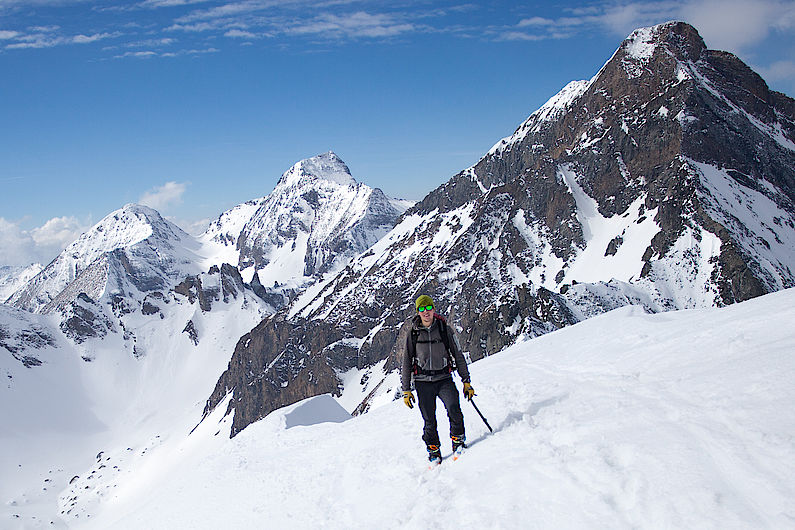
(430, 349)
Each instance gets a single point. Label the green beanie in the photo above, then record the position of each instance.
(422, 301)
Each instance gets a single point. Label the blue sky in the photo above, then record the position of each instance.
(194, 106)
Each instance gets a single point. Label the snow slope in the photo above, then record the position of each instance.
(626, 420)
(79, 400)
(12, 278)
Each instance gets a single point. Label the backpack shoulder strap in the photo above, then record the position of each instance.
(415, 335)
(445, 339)
(443, 331)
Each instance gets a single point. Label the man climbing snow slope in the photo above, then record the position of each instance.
(430, 355)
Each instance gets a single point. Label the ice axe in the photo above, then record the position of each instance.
(481, 415)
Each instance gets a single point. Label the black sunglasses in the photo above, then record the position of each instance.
(426, 308)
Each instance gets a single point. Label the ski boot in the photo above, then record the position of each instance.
(459, 444)
(434, 455)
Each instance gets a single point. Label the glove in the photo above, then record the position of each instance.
(469, 392)
(408, 399)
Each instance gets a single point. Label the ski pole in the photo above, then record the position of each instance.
(481, 415)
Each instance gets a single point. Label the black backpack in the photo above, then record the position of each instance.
(415, 338)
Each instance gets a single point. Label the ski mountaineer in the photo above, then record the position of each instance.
(430, 355)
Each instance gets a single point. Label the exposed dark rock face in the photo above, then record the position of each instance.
(221, 284)
(260, 374)
(192, 289)
(190, 330)
(276, 297)
(83, 319)
(633, 187)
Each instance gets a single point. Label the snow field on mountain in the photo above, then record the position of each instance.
(396, 251)
(219, 241)
(154, 248)
(592, 264)
(316, 219)
(626, 420)
(59, 416)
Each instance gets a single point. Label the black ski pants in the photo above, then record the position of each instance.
(427, 392)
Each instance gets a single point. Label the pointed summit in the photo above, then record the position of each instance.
(154, 251)
(327, 166)
(314, 221)
(680, 38)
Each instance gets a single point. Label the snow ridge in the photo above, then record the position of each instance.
(548, 112)
(158, 249)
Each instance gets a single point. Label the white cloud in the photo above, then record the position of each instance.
(202, 26)
(20, 247)
(359, 24)
(731, 25)
(57, 233)
(536, 21)
(6, 34)
(85, 39)
(16, 245)
(240, 34)
(778, 71)
(734, 25)
(224, 11)
(137, 55)
(151, 43)
(169, 3)
(165, 195)
(46, 38)
(190, 52)
(520, 35)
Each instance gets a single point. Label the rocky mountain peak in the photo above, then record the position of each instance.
(679, 38)
(324, 167)
(313, 222)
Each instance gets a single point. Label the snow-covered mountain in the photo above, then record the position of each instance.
(626, 420)
(315, 220)
(89, 381)
(667, 180)
(131, 250)
(133, 260)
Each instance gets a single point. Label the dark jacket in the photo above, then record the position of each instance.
(431, 354)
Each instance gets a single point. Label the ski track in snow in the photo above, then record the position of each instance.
(627, 420)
